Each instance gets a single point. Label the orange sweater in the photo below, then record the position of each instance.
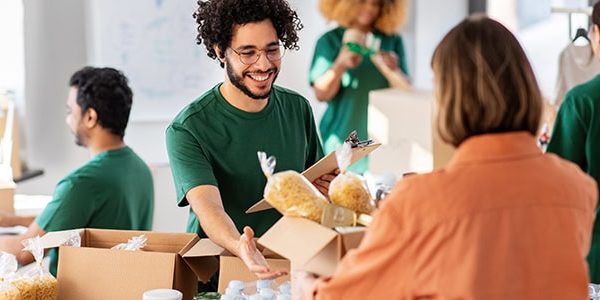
(501, 221)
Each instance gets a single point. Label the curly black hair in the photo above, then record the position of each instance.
(216, 19)
(107, 92)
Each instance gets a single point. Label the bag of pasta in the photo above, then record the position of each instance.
(290, 192)
(8, 268)
(37, 284)
(349, 189)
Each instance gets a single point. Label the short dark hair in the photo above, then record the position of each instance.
(484, 82)
(106, 91)
(216, 19)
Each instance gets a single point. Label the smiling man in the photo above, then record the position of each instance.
(212, 143)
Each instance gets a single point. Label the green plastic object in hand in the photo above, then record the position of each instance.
(359, 49)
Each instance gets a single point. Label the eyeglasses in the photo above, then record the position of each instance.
(251, 56)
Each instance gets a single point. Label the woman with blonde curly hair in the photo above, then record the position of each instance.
(343, 78)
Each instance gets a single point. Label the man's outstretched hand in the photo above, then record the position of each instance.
(253, 259)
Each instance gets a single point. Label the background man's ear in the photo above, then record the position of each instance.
(90, 118)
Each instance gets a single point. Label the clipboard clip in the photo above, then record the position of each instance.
(354, 142)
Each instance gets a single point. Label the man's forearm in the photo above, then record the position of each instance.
(219, 227)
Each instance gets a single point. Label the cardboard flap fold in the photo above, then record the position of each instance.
(203, 248)
(352, 239)
(58, 238)
(297, 239)
(202, 258)
(326, 165)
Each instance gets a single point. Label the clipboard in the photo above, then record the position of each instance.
(326, 165)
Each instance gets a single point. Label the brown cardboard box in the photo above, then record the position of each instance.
(233, 268)
(310, 246)
(169, 260)
(94, 271)
(7, 197)
(326, 165)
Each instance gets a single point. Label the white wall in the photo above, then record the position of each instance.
(432, 20)
(54, 48)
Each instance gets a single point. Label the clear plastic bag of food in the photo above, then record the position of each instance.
(133, 244)
(348, 189)
(290, 192)
(38, 283)
(8, 268)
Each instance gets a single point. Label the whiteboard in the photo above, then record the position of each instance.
(154, 43)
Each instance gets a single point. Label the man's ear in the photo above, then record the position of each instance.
(90, 118)
(220, 55)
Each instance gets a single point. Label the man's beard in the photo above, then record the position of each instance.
(79, 140)
(238, 82)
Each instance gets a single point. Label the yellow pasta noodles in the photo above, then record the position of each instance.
(293, 195)
(349, 190)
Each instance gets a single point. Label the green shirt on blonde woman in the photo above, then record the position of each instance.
(576, 137)
(348, 110)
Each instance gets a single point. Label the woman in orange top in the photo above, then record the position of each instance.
(502, 220)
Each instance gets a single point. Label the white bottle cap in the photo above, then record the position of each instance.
(163, 294)
(285, 288)
(236, 284)
(263, 283)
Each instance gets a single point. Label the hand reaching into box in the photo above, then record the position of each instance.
(254, 259)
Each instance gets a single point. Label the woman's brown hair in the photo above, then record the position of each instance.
(392, 15)
(484, 82)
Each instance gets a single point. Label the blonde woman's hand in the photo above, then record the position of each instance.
(390, 59)
(387, 64)
(347, 60)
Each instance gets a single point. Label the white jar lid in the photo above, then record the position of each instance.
(163, 294)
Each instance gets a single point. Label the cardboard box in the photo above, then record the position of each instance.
(233, 268)
(169, 260)
(7, 197)
(326, 165)
(94, 271)
(310, 246)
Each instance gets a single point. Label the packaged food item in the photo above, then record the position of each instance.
(348, 189)
(291, 193)
(8, 268)
(339, 216)
(133, 244)
(37, 284)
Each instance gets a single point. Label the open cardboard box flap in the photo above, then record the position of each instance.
(58, 238)
(297, 239)
(324, 166)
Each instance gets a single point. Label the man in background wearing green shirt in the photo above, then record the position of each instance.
(114, 189)
(212, 143)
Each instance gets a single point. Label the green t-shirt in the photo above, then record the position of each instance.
(348, 110)
(212, 142)
(576, 137)
(113, 190)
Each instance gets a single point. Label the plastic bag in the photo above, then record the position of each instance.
(8, 268)
(290, 192)
(348, 189)
(37, 284)
(133, 244)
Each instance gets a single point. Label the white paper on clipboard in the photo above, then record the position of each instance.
(326, 165)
